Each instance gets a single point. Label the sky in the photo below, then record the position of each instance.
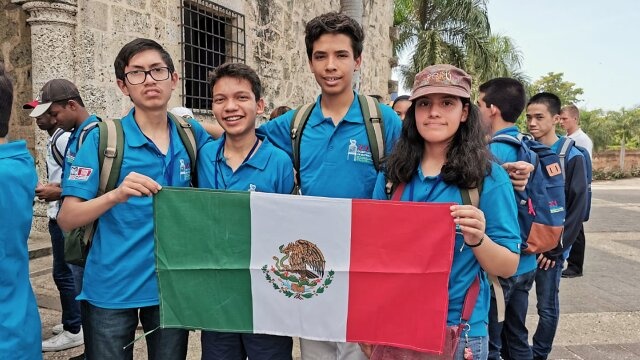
(595, 43)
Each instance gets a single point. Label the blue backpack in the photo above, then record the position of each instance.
(541, 206)
(564, 147)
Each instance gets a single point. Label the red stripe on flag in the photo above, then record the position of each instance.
(401, 256)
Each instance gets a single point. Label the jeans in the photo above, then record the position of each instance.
(510, 339)
(234, 346)
(64, 280)
(108, 334)
(479, 346)
(547, 288)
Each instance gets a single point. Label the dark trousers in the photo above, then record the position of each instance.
(575, 261)
(233, 346)
(108, 334)
(64, 280)
(547, 289)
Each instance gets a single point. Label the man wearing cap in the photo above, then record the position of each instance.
(69, 333)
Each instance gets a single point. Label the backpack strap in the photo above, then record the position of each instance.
(110, 154)
(472, 197)
(300, 118)
(110, 151)
(58, 156)
(85, 131)
(374, 126)
(470, 299)
(185, 131)
(394, 191)
(563, 149)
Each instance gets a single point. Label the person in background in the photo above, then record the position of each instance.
(400, 105)
(20, 331)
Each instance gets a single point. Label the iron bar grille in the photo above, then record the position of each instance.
(211, 36)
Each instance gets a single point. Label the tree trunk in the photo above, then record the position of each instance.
(355, 10)
(622, 154)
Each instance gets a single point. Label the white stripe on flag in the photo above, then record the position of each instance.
(322, 221)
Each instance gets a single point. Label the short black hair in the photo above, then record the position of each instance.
(400, 98)
(238, 71)
(334, 23)
(506, 94)
(135, 47)
(6, 101)
(552, 101)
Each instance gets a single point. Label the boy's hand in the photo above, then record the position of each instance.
(544, 262)
(49, 192)
(471, 221)
(135, 185)
(519, 172)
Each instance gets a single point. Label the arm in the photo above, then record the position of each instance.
(76, 212)
(576, 201)
(494, 258)
(213, 128)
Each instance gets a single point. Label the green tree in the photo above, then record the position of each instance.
(455, 32)
(597, 126)
(626, 128)
(554, 83)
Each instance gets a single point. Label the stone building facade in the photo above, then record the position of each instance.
(78, 40)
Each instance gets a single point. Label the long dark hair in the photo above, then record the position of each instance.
(468, 159)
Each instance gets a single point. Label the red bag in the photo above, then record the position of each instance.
(451, 341)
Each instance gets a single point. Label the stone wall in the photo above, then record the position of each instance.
(15, 52)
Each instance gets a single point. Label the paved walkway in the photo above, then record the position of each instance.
(600, 311)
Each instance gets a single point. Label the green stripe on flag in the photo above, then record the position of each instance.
(203, 245)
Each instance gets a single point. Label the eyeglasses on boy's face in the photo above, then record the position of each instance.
(137, 77)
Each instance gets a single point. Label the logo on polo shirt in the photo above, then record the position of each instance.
(252, 187)
(80, 173)
(359, 152)
(185, 170)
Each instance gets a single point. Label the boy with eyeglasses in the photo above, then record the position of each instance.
(120, 285)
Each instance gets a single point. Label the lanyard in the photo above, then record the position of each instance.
(218, 160)
(168, 173)
(435, 185)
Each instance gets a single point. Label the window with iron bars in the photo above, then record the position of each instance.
(211, 36)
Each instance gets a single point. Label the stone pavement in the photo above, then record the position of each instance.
(599, 311)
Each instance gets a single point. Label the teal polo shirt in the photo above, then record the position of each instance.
(120, 271)
(335, 160)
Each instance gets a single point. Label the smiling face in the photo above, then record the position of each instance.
(235, 105)
(151, 94)
(333, 64)
(438, 116)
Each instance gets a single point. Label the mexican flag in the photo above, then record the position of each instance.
(317, 268)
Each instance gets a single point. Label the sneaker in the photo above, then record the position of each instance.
(568, 274)
(64, 340)
(57, 329)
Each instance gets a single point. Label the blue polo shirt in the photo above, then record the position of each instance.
(335, 160)
(508, 153)
(499, 207)
(20, 332)
(120, 268)
(73, 145)
(268, 170)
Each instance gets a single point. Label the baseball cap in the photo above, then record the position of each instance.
(54, 90)
(182, 112)
(441, 79)
(31, 104)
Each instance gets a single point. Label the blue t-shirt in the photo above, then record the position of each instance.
(335, 160)
(20, 332)
(73, 146)
(498, 204)
(508, 153)
(268, 170)
(120, 268)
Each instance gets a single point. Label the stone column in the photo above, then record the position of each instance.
(53, 38)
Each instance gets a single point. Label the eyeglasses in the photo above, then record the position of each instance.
(137, 77)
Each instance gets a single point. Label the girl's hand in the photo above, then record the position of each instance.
(367, 349)
(471, 221)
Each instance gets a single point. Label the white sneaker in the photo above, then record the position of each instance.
(64, 340)
(57, 329)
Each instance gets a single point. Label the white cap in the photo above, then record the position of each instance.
(182, 112)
